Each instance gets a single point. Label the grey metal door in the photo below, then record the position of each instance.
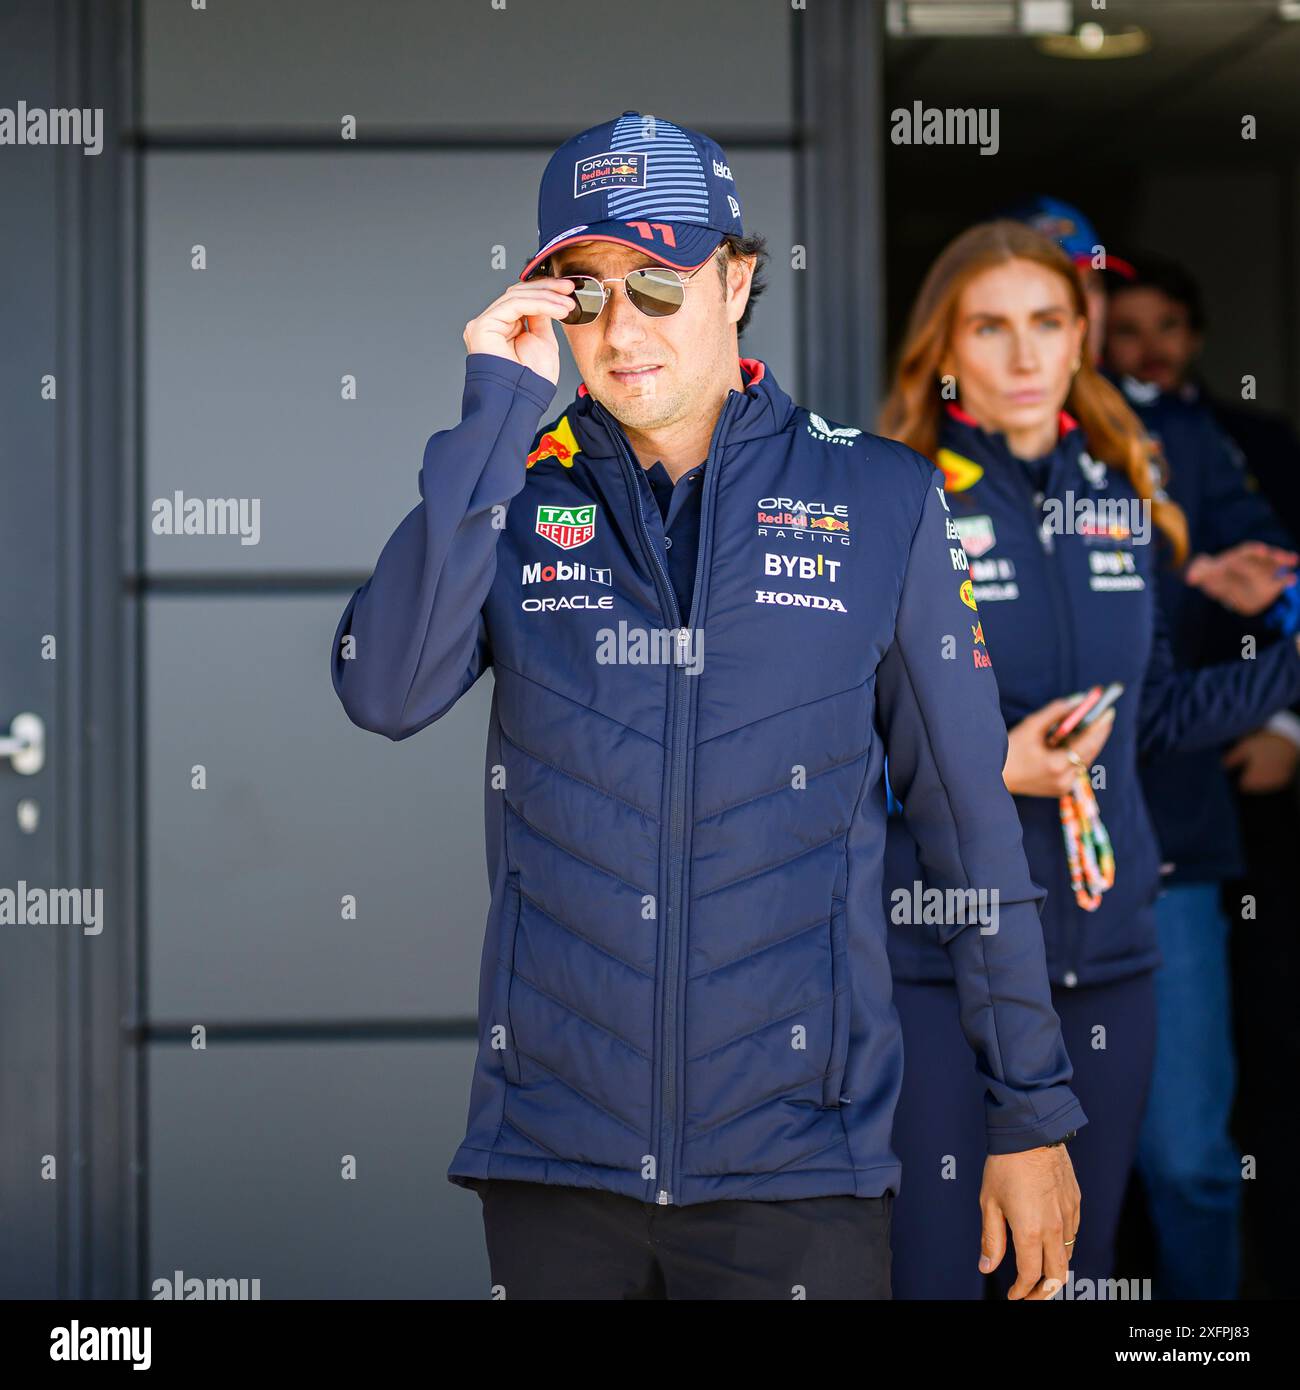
(67, 1210)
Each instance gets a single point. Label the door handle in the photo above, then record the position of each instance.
(24, 745)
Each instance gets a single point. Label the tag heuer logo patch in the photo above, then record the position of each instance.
(567, 527)
(977, 536)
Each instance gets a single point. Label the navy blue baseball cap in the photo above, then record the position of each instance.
(1070, 229)
(643, 182)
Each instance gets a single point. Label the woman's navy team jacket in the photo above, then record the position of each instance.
(685, 990)
(1061, 612)
(1189, 793)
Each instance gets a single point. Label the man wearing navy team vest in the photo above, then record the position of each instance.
(710, 614)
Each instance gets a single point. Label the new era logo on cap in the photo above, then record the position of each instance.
(643, 182)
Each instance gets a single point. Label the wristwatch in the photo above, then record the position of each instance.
(1063, 1139)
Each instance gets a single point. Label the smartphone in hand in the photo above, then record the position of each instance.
(1068, 723)
(1084, 714)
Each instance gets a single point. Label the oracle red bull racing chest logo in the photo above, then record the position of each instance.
(567, 527)
(795, 518)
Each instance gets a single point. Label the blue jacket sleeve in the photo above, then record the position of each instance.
(947, 744)
(1234, 511)
(417, 636)
(1231, 510)
(1183, 711)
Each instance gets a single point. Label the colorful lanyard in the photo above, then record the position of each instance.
(1087, 846)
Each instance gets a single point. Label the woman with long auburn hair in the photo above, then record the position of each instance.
(1058, 523)
(913, 412)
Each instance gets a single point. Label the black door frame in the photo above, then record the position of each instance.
(839, 46)
(70, 222)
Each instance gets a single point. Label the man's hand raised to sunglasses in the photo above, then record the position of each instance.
(518, 327)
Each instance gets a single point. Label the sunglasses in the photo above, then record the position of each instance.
(656, 290)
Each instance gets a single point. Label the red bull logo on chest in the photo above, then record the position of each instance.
(558, 443)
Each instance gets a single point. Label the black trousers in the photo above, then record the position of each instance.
(939, 1133)
(579, 1243)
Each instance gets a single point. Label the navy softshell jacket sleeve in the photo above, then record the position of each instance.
(947, 744)
(418, 639)
(1183, 711)
(1231, 511)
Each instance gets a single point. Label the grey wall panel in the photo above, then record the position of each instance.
(462, 65)
(766, 180)
(245, 1154)
(245, 879)
(320, 265)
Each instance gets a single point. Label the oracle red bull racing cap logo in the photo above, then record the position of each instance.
(613, 169)
(567, 527)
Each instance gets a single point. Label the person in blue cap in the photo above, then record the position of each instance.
(1077, 237)
(1241, 566)
(1067, 533)
(1157, 328)
(709, 613)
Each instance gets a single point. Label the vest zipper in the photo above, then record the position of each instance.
(680, 693)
